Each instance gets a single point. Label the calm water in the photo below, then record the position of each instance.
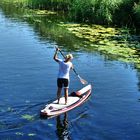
(28, 82)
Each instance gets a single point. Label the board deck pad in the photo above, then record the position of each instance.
(61, 104)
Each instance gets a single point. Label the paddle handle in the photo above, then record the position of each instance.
(62, 53)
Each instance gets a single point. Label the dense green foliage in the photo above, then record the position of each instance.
(119, 12)
(95, 11)
(112, 12)
(136, 10)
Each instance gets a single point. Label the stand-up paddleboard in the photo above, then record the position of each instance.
(75, 99)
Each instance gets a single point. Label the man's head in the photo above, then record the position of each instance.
(69, 56)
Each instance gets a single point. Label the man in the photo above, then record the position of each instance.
(63, 75)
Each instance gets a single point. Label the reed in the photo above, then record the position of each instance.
(49, 4)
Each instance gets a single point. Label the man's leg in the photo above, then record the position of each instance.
(66, 94)
(58, 94)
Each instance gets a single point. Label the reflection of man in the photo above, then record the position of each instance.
(62, 128)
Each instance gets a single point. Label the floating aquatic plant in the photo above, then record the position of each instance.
(19, 133)
(114, 42)
(28, 117)
(31, 134)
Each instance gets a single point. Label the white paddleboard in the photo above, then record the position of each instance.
(74, 100)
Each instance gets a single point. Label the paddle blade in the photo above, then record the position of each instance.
(84, 82)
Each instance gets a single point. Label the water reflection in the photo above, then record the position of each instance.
(62, 126)
(138, 75)
(46, 27)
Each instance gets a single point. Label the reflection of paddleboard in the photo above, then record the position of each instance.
(75, 99)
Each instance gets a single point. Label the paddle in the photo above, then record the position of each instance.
(81, 80)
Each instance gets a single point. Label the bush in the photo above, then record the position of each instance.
(95, 11)
(136, 10)
(124, 15)
(82, 10)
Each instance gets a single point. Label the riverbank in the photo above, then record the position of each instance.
(114, 43)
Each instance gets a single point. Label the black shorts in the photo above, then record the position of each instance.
(61, 82)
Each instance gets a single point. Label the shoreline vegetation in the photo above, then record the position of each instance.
(117, 42)
(104, 12)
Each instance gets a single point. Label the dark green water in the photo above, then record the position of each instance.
(28, 81)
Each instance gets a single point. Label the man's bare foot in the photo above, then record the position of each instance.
(58, 102)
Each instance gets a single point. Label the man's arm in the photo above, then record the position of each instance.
(55, 55)
(72, 67)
